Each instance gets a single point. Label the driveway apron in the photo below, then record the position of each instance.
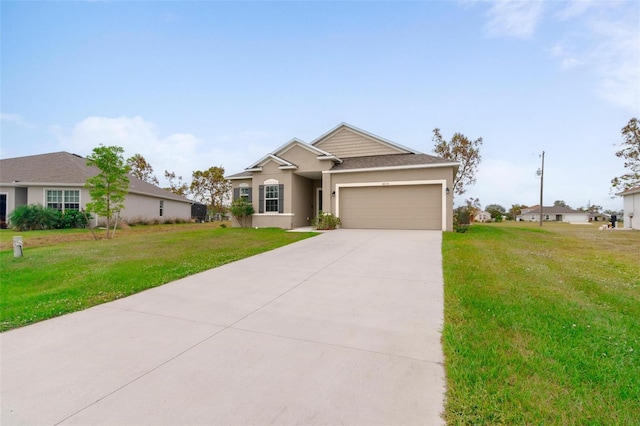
(341, 328)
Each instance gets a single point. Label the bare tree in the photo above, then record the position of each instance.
(462, 150)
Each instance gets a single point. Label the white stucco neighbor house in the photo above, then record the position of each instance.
(554, 214)
(57, 180)
(631, 207)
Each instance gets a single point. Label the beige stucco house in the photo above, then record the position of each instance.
(365, 180)
(631, 207)
(482, 216)
(57, 180)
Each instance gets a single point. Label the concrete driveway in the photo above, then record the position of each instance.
(342, 328)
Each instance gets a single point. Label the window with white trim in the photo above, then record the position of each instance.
(244, 192)
(161, 207)
(271, 196)
(63, 199)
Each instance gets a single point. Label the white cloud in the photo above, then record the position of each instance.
(576, 8)
(616, 59)
(16, 119)
(514, 18)
(602, 37)
(181, 153)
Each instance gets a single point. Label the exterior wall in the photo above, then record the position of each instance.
(551, 217)
(631, 205)
(254, 194)
(302, 201)
(137, 206)
(575, 217)
(270, 220)
(435, 174)
(347, 143)
(306, 160)
(271, 171)
(273, 220)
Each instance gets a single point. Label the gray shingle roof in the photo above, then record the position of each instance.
(394, 160)
(69, 169)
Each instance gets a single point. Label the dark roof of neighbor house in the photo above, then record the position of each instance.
(554, 210)
(393, 160)
(69, 169)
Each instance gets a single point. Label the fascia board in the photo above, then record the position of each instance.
(20, 184)
(408, 167)
(329, 157)
(240, 177)
(265, 159)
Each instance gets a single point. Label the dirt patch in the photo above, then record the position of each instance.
(53, 237)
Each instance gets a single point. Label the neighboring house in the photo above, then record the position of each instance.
(631, 207)
(365, 180)
(57, 181)
(482, 216)
(553, 214)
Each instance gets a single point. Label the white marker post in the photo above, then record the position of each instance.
(17, 246)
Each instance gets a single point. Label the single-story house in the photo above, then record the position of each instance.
(57, 180)
(365, 180)
(482, 216)
(554, 214)
(631, 207)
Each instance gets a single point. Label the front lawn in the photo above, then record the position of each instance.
(542, 325)
(66, 271)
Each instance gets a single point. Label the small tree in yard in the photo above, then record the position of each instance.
(242, 209)
(496, 211)
(630, 152)
(110, 186)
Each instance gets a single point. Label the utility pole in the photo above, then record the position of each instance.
(541, 174)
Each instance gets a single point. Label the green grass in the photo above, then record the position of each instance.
(542, 325)
(58, 278)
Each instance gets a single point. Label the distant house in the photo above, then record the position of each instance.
(57, 181)
(365, 180)
(631, 207)
(553, 214)
(482, 216)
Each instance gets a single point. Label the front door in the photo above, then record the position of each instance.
(3, 210)
(319, 200)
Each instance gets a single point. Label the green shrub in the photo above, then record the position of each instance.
(33, 216)
(241, 209)
(325, 221)
(70, 219)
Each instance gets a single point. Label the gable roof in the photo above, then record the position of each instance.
(66, 169)
(275, 155)
(395, 155)
(399, 148)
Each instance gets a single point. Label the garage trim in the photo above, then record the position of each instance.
(441, 182)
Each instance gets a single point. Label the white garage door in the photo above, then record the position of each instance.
(391, 207)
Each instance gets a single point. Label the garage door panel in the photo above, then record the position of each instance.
(391, 207)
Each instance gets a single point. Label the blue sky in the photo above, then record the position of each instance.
(190, 85)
